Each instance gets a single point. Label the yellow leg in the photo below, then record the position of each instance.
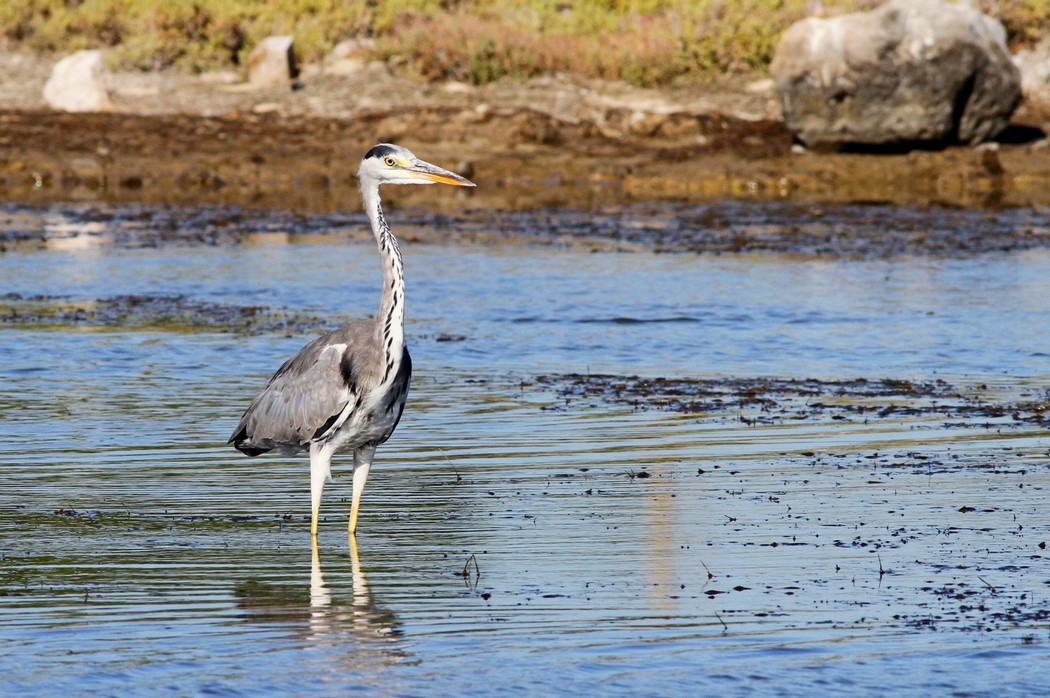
(362, 464)
(360, 475)
(355, 559)
(320, 470)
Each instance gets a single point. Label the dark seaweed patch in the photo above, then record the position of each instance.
(167, 312)
(765, 400)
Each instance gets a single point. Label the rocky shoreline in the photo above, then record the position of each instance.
(175, 138)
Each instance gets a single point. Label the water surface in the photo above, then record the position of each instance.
(512, 539)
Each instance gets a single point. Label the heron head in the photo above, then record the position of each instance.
(392, 164)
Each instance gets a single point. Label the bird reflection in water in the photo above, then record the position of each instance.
(361, 616)
(329, 619)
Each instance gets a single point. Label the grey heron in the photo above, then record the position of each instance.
(346, 390)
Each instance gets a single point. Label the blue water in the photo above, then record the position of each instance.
(536, 309)
(139, 555)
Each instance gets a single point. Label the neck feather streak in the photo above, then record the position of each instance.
(390, 320)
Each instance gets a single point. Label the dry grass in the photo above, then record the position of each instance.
(645, 42)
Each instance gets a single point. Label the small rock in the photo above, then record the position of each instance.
(378, 68)
(349, 48)
(457, 88)
(643, 124)
(1034, 66)
(272, 63)
(761, 86)
(266, 108)
(137, 90)
(536, 128)
(680, 126)
(468, 117)
(393, 129)
(219, 77)
(347, 58)
(345, 66)
(78, 84)
(465, 168)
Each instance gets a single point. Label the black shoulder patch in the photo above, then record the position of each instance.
(379, 151)
(325, 427)
(406, 366)
(401, 382)
(347, 370)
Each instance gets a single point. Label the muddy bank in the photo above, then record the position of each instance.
(521, 158)
(547, 142)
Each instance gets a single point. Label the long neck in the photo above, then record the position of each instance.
(390, 321)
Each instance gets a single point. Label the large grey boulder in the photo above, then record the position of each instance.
(910, 71)
(78, 83)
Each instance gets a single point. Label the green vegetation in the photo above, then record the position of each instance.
(646, 42)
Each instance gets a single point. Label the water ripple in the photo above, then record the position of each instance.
(515, 537)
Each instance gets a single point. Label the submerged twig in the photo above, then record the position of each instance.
(459, 478)
(466, 572)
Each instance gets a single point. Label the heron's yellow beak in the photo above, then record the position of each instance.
(432, 173)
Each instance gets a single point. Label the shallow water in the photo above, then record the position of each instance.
(513, 539)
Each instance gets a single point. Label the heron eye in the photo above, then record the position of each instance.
(390, 162)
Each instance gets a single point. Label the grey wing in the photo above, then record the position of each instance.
(307, 397)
